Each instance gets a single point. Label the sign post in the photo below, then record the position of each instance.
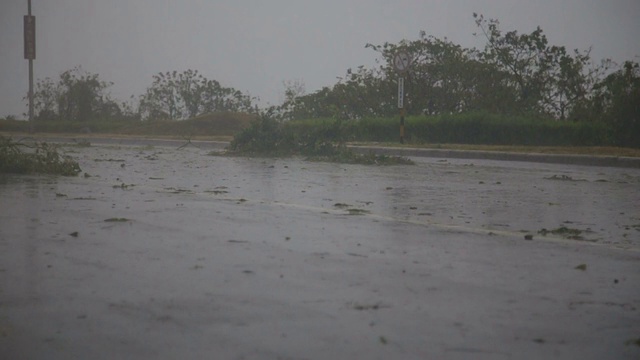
(401, 62)
(30, 54)
(401, 107)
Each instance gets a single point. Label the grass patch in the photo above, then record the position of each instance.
(222, 124)
(18, 157)
(212, 125)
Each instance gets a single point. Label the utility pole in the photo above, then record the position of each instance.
(30, 54)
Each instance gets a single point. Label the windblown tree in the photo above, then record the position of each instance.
(547, 79)
(179, 96)
(78, 96)
(445, 77)
(616, 100)
(514, 74)
(45, 99)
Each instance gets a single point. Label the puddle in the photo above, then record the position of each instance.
(177, 247)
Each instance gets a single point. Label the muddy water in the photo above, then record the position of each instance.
(155, 252)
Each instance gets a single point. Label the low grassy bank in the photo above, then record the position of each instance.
(471, 131)
(224, 124)
(477, 128)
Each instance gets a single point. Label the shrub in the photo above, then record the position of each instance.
(41, 158)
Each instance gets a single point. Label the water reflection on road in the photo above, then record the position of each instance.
(245, 257)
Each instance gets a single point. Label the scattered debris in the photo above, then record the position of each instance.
(216, 192)
(82, 143)
(565, 232)
(117, 219)
(635, 342)
(528, 237)
(18, 157)
(582, 267)
(356, 255)
(109, 160)
(363, 307)
(173, 190)
(354, 211)
(562, 178)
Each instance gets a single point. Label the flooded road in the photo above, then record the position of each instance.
(159, 252)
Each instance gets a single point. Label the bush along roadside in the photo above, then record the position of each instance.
(17, 157)
(324, 142)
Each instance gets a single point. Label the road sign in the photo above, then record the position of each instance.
(400, 93)
(29, 37)
(401, 61)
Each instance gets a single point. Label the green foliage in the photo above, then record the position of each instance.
(179, 96)
(266, 136)
(317, 140)
(617, 101)
(469, 128)
(515, 74)
(518, 89)
(493, 129)
(78, 96)
(40, 158)
(546, 78)
(14, 125)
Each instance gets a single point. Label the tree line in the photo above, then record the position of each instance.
(515, 74)
(80, 96)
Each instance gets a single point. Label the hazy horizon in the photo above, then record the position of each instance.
(255, 46)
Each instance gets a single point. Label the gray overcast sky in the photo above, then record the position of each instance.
(255, 45)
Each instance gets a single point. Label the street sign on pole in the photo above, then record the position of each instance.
(400, 92)
(29, 37)
(401, 63)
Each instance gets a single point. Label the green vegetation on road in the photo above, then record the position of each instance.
(20, 157)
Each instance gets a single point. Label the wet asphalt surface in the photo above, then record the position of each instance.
(163, 253)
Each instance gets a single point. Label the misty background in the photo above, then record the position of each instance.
(254, 46)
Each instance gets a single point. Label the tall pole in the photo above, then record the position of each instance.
(31, 57)
(402, 126)
(401, 62)
(401, 107)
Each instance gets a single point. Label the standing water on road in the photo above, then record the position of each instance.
(158, 252)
